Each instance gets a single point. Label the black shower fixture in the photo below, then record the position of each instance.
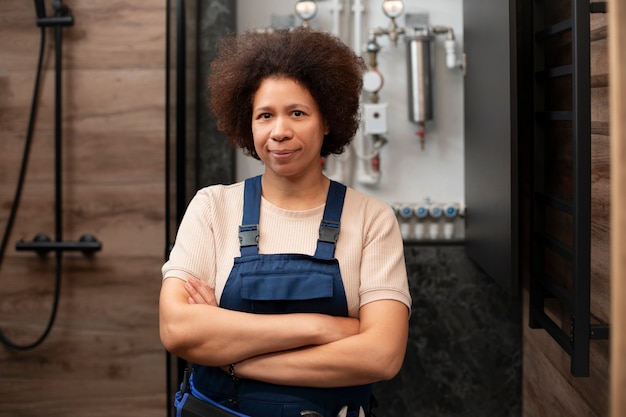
(42, 243)
(62, 14)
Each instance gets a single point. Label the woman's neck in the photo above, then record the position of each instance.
(292, 194)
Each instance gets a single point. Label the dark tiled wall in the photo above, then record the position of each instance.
(215, 156)
(464, 353)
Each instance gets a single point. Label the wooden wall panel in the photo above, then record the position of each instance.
(617, 59)
(103, 357)
(548, 388)
(600, 172)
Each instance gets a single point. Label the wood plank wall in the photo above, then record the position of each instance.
(548, 388)
(617, 60)
(103, 357)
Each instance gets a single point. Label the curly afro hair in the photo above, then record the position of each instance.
(321, 62)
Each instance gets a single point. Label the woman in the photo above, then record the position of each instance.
(287, 292)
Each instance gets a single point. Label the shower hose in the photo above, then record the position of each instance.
(9, 226)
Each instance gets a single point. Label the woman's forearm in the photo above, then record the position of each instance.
(375, 354)
(213, 336)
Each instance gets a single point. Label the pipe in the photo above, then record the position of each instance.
(336, 18)
(449, 45)
(58, 121)
(358, 10)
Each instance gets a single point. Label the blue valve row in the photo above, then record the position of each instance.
(422, 211)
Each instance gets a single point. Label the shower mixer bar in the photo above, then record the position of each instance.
(62, 16)
(42, 243)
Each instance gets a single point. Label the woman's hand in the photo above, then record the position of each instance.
(200, 292)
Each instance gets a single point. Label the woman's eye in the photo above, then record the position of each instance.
(297, 113)
(264, 116)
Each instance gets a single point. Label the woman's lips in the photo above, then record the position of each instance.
(283, 153)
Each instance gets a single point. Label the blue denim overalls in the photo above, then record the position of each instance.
(282, 283)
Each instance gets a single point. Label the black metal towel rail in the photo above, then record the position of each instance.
(563, 126)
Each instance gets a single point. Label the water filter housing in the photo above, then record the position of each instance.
(419, 63)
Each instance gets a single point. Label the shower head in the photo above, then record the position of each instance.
(40, 8)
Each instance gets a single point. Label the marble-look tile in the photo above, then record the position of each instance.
(215, 153)
(464, 353)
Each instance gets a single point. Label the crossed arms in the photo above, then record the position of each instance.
(303, 349)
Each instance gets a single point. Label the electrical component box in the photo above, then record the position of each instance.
(375, 118)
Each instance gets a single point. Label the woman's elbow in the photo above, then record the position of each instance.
(389, 364)
(390, 371)
(168, 338)
(172, 339)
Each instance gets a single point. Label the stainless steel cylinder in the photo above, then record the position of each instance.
(419, 64)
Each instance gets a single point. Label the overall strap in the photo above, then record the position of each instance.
(249, 229)
(329, 227)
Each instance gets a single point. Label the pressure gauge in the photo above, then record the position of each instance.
(306, 9)
(372, 81)
(393, 8)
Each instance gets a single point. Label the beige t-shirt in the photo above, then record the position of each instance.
(369, 248)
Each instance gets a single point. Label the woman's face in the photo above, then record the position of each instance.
(288, 128)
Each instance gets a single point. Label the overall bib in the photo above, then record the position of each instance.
(282, 283)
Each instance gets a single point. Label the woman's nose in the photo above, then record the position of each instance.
(282, 129)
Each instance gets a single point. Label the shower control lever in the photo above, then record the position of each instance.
(42, 244)
(62, 15)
